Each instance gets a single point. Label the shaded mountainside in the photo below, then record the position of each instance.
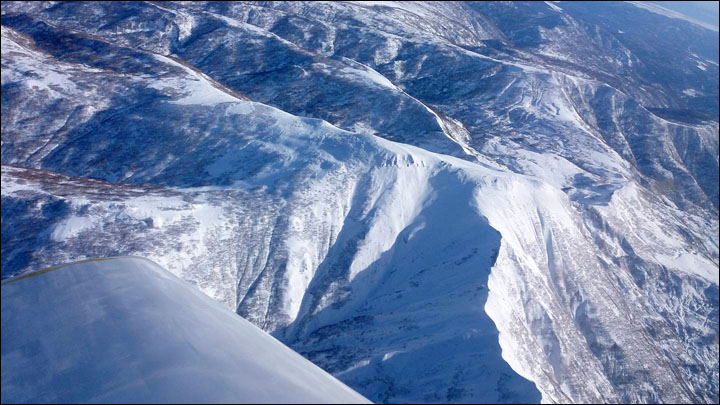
(434, 202)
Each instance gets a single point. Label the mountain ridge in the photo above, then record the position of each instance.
(570, 221)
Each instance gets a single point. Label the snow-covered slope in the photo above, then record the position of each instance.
(124, 330)
(492, 202)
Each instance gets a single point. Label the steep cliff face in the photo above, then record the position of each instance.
(433, 202)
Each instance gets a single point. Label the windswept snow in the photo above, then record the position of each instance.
(70, 228)
(196, 88)
(418, 201)
(554, 6)
(369, 75)
(413, 7)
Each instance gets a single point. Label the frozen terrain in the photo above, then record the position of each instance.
(434, 202)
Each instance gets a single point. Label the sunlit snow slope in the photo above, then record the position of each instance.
(124, 330)
(434, 202)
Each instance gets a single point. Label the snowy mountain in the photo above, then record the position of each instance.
(434, 202)
(124, 330)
